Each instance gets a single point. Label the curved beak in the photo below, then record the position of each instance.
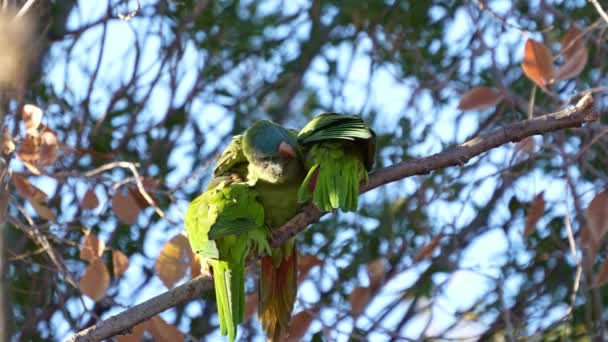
(286, 151)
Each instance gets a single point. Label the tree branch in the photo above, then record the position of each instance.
(574, 116)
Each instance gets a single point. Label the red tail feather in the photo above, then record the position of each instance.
(278, 287)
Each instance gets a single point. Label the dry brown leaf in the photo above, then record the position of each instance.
(300, 323)
(251, 305)
(48, 148)
(91, 248)
(358, 299)
(305, 264)
(597, 223)
(376, 270)
(479, 97)
(27, 189)
(31, 116)
(95, 281)
(195, 266)
(29, 150)
(572, 42)
(43, 210)
(163, 331)
(427, 250)
(575, 55)
(535, 212)
(90, 201)
(136, 335)
(602, 278)
(174, 260)
(125, 208)
(7, 145)
(538, 63)
(120, 262)
(574, 66)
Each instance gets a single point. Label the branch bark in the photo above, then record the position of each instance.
(574, 116)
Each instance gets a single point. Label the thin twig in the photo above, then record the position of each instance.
(579, 268)
(140, 186)
(600, 10)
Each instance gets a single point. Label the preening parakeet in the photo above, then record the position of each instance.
(237, 215)
(339, 150)
(223, 224)
(275, 170)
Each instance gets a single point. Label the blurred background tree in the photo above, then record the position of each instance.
(138, 97)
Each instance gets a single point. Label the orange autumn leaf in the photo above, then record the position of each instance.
(27, 189)
(120, 261)
(90, 200)
(174, 260)
(575, 55)
(196, 267)
(572, 42)
(91, 248)
(136, 335)
(43, 210)
(163, 331)
(300, 323)
(478, 98)
(95, 281)
(48, 148)
(538, 63)
(597, 223)
(125, 208)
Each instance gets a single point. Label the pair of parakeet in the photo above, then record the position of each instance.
(259, 182)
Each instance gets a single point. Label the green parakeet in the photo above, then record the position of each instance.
(231, 216)
(275, 170)
(223, 224)
(339, 150)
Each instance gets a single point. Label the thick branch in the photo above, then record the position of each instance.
(571, 117)
(575, 116)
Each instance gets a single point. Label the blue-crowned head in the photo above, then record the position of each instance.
(272, 152)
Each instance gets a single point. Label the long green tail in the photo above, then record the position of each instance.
(229, 281)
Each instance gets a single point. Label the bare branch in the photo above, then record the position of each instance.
(600, 10)
(124, 321)
(575, 116)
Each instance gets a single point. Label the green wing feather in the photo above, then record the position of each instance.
(340, 150)
(223, 224)
(330, 126)
(232, 159)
